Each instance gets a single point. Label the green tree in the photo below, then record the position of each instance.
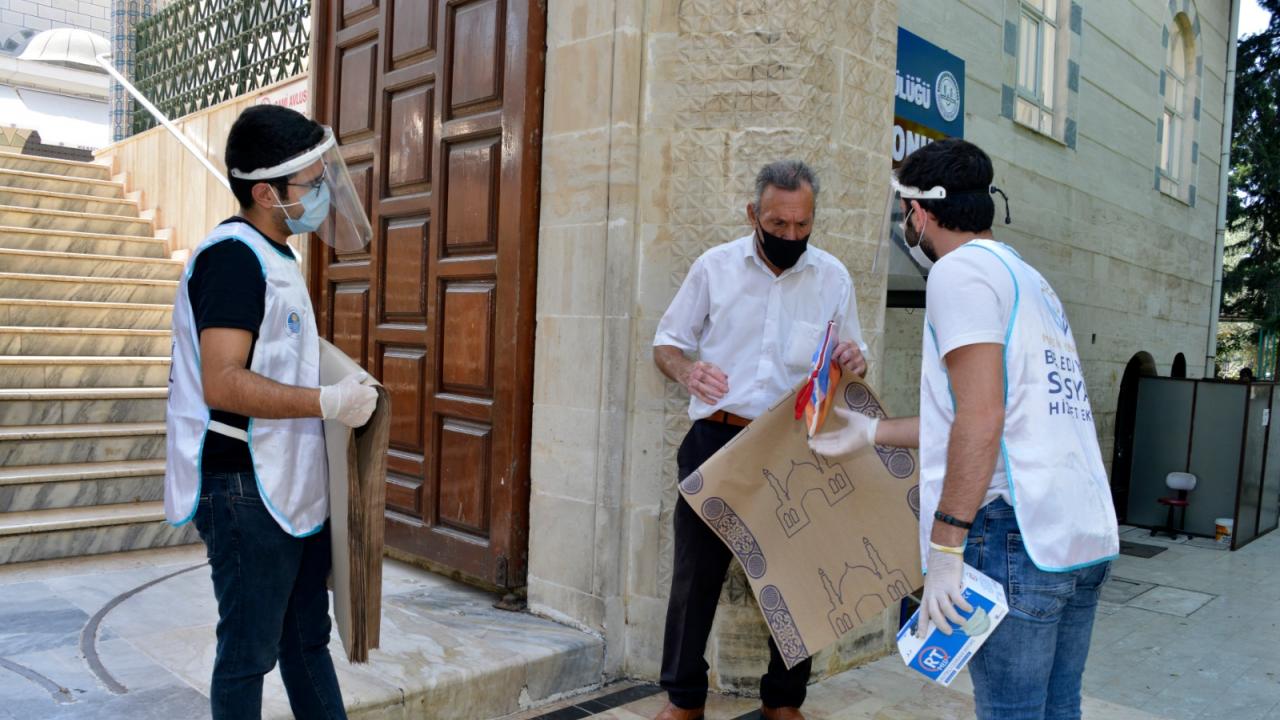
(1251, 278)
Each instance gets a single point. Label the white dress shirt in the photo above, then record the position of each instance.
(760, 329)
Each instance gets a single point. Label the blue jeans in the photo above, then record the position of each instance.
(272, 604)
(1030, 667)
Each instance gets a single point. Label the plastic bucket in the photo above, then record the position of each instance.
(1222, 529)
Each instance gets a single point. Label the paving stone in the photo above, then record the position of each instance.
(1171, 601)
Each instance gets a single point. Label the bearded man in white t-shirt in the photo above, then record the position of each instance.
(1011, 477)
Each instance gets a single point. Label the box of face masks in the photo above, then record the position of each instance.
(941, 657)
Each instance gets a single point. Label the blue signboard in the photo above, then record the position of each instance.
(928, 95)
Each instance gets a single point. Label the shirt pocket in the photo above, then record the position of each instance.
(801, 344)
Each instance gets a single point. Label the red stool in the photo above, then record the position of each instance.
(1182, 483)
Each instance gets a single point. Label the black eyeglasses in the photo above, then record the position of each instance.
(314, 184)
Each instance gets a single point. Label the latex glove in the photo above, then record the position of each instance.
(859, 431)
(350, 401)
(943, 592)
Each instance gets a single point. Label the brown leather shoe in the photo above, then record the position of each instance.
(671, 712)
(781, 713)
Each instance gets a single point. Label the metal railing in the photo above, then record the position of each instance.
(197, 53)
(199, 153)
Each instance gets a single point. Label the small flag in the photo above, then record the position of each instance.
(814, 399)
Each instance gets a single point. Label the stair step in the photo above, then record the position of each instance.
(54, 166)
(17, 340)
(86, 265)
(86, 289)
(65, 406)
(69, 532)
(96, 442)
(60, 183)
(23, 238)
(72, 313)
(74, 221)
(45, 487)
(45, 371)
(51, 200)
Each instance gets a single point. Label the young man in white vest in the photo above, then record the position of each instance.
(1011, 478)
(246, 458)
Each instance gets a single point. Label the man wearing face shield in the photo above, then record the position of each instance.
(1011, 477)
(246, 458)
(739, 335)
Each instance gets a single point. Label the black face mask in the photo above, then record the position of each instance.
(781, 252)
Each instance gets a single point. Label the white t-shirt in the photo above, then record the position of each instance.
(760, 329)
(968, 300)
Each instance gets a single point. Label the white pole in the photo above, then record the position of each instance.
(105, 61)
(1224, 167)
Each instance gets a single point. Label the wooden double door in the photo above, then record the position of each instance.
(437, 107)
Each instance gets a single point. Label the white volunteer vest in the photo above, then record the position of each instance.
(1049, 450)
(289, 460)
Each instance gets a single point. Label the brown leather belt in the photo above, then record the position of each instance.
(728, 418)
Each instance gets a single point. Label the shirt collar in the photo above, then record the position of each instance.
(807, 260)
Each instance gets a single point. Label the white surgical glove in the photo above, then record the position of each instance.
(350, 401)
(943, 591)
(859, 431)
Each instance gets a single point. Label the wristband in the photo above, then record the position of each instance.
(943, 517)
(947, 549)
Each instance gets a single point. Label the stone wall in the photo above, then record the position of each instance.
(48, 14)
(1133, 265)
(658, 114)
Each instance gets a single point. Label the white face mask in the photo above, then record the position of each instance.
(917, 250)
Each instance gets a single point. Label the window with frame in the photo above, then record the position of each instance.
(1173, 120)
(1040, 23)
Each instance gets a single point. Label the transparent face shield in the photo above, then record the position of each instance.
(330, 207)
(894, 219)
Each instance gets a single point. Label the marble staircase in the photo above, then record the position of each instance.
(86, 293)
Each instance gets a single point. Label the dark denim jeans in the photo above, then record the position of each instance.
(1030, 667)
(272, 604)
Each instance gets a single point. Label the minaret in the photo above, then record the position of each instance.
(832, 594)
(777, 486)
(877, 565)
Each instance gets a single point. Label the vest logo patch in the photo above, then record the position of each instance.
(293, 321)
(1054, 305)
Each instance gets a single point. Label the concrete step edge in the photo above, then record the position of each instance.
(35, 175)
(67, 196)
(53, 520)
(77, 215)
(88, 304)
(78, 234)
(92, 393)
(34, 433)
(55, 161)
(88, 279)
(55, 330)
(83, 360)
(71, 472)
(96, 257)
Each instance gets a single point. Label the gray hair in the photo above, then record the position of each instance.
(785, 175)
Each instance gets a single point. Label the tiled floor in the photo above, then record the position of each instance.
(1219, 660)
(1191, 633)
(446, 651)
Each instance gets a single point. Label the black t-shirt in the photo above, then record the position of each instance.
(227, 290)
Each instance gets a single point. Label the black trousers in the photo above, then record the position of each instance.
(701, 562)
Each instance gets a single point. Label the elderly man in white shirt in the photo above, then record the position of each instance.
(739, 335)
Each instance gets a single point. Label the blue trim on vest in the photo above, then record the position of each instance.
(199, 477)
(1004, 450)
(1008, 333)
(280, 517)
